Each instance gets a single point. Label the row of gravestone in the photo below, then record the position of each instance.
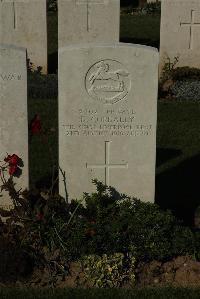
(107, 112)
(23, 23)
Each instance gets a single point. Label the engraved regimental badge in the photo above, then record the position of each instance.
(107, 81)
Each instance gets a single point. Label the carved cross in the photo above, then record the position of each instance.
(89, 4)
(192, 24)
(107, 165)
(14, 13)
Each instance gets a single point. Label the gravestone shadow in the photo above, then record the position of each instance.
(125, 3)
(53, 63)
(177, 189)
(165, 154)
(47, 182)
(145, 42)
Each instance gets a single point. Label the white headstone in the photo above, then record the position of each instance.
(180, 32)
(13, 112)
(23, 23)
(107, 118)
(82, 21)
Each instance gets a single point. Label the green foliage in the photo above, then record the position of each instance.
(186, 72)
(109, 270)
(153, 8)
(42, 86)
(179, 82)
(169, 68)
(52, 5)
(170, 71)
(53, 233)
(117, 223)
(148, 9)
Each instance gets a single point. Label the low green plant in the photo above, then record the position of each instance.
(109, 270)
(168, 68)
(185, 73)
(117, 223)
(147, 9)
(41, 85)
(52, 5)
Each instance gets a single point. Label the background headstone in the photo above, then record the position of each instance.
(180, 32)
(24, 23)
(13, 111)
(107, 118)
(82, 21)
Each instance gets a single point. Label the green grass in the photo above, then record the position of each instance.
(178, 129)
(151, 293)
(178, 158)
(43, 148)
(143, 30)
(52, 27)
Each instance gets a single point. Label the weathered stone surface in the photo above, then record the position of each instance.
(82, 21)
(180, 33)
(13, 111)
(23, 23)
(107, 118)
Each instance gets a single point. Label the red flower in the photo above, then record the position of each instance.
(12, 161)
(35, 125)
(12, 169)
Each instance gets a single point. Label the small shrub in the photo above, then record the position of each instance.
(181, 83)
(42, 86)
(147, 9)
(117, 223)
(109, 270)
(181, 73)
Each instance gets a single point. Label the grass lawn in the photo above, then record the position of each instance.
(178, 157)
(143, 30)
(153, 293)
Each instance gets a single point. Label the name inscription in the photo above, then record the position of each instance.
(113, 122)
